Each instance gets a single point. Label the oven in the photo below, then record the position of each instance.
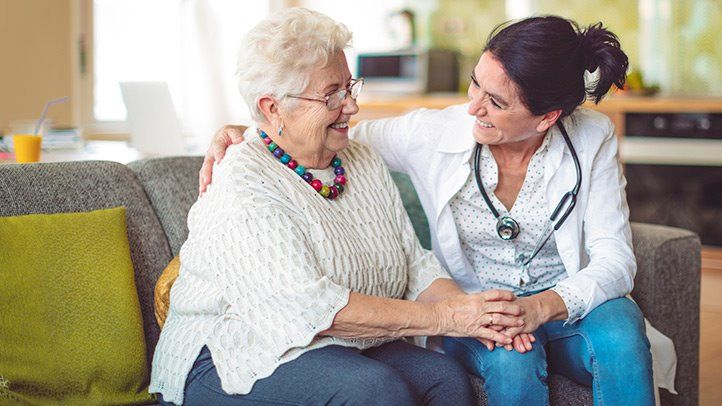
(673, 165)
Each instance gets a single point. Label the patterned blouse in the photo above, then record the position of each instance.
(496, 261)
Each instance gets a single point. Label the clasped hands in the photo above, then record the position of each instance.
(495, 318)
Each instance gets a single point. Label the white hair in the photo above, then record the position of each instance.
(278, 54)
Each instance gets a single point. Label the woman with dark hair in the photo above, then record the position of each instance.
(524, 191)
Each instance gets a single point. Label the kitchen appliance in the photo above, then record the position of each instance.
(409, 72)
(673, 165)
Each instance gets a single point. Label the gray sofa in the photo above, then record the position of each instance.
(159, 192)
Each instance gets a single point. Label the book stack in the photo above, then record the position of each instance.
(62, 138)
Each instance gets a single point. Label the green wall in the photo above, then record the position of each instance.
(697, 46)
(682, 48)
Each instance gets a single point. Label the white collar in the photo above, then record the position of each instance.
(457, 136)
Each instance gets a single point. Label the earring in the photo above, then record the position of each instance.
(280, 130)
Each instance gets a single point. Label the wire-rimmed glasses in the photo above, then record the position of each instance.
(335, 99)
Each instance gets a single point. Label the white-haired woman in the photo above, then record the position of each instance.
(297, 290)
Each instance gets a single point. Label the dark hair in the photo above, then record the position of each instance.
(546, 58)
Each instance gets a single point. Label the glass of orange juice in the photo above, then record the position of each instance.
(27, 147)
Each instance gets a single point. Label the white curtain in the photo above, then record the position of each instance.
(211, 32)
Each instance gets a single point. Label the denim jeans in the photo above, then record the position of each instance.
(396, 373)
(607, 350)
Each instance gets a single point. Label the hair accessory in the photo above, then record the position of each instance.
(330, 192)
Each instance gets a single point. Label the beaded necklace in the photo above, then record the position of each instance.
(329, 192)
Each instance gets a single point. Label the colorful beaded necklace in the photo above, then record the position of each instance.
(329, 192)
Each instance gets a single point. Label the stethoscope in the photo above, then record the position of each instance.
(508, 229)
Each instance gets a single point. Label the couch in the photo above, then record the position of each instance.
(158, 193)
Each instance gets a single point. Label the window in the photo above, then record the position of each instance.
(190, 44)
(134, 40)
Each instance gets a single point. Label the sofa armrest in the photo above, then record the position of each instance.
(667, 289)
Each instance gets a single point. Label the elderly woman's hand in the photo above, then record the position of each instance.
(536, 310)
(472, 315)
(225, 137)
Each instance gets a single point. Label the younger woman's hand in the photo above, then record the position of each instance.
(224, 138)
(521, 342)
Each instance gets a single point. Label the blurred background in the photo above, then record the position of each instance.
(84, 48)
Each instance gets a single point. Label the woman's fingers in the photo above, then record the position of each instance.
(519, 345)
(487, 343)
(502, 320)
(503, 307)
(236, 133)
(492, 335)
(205, 174)
(497, 295)
(526, 341)
(516, 344)
(220, 144)
(225, 137)
(514, 331)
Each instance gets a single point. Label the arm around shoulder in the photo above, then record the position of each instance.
(390, 137)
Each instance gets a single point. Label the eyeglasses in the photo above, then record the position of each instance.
(335, 99)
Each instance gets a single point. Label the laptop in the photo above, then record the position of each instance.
(152, 118)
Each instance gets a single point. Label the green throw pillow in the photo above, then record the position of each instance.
(71, 329)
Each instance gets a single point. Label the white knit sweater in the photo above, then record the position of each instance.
(269, 262)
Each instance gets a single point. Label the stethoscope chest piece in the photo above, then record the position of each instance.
(507, 228)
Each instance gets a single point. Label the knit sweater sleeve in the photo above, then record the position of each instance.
(423, 267)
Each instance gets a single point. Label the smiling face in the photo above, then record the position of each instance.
(310, 130)
(501, 116)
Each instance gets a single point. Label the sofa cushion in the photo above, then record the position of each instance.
(667, 289)
(66, 187)
(172, 187)
(412, 204)
(562, 392)
(72, 327)
(162, 290)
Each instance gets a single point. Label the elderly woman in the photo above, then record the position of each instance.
(524, 192)
(301, 270)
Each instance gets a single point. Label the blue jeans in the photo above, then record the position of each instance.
(607, 350)
(395, 373)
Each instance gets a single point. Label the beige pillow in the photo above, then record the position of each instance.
(162, 290)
